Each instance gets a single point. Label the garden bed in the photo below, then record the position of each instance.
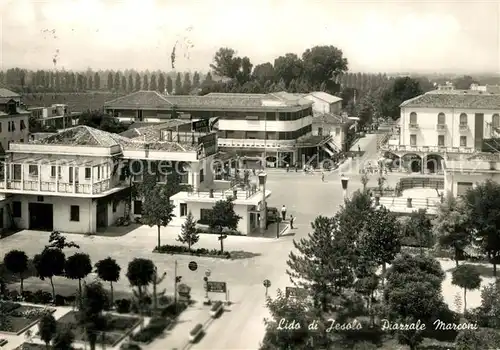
(16, 318)
(202, 252)
(117, 327)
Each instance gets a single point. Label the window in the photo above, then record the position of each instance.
(33, 170)
(441, 119)
(22, 126)
(495, 121)
(441, 140)
(413, 140)
(16, 209)
(98, 173)
(88, 173)
(70, 173)
(53, 171)
(115, 205)
(413, 118)
(9, 126)
(13, 126)
(137, 207)
(320, 131)
(463, 119)
(74, 213)
(463, 141)
(202, 176)
(17, 169)
(204, 215)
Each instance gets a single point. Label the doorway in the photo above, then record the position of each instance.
(102, 214)
(184, 209)
(41, 216)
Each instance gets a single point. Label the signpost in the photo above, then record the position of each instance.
(201, 125)
(267, 284)
(294, 292)
(216, 287)
(193, 266)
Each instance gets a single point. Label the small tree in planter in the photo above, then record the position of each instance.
(188, 233)
(222, 216)
(108, 270)
(16, 261)
(77, 267)
(48, 264)
(47, 328)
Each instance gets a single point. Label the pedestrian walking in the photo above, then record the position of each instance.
(359, 149)
(287, 167)
(292, 219)
(322, 176)
(283, 212)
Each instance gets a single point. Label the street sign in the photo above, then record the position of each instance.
(193, 266)
(216, 287)
(267, 283)
(295, 292)
(207, 273)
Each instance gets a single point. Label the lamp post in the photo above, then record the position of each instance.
(344, 181)
(263, 206)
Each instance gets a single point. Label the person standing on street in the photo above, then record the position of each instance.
(287, 167)
(322, 176)
(292, 219)
(283, 212)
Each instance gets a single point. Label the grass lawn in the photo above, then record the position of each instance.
(16, 317)
(117, 327)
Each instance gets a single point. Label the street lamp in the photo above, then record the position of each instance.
(344, 180)
(263, 207)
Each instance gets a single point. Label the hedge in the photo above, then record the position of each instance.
(196, 329)
(226, 232)
(216, 306)
(155, 327)
(178, 249)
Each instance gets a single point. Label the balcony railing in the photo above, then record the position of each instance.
(224, 194)
(463, 127)
(426, 149)
(254, 143)
(441, 127)
(61, 187)
(413, 126)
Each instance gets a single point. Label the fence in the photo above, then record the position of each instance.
(421, 182)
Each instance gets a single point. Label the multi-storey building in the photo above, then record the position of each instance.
(56, 117)
(450, 131)
(14, 120)
(276, 127)
(75, 180)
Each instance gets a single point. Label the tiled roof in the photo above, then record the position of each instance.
(4, 100)
(7, 93)
(146, 129)
(152, 99)
(455, 100)
(329, 118)
(325, 96)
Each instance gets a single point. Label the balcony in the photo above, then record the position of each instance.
(57, 187)
(426, 149)
(464, 127)
(255, 143)
(413, 126)
(441, 127)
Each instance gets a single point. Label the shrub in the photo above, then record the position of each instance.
(196, 329)
(42, 297)
(123, 306)
(177, 249)
(28, 296)
(216, 306)
(7, 307)
(155, 327)
(59, 300)
(130, 346)
(172, 310)
(14, 295)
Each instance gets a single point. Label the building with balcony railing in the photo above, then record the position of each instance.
(75, 180)
(14, 120)
(256, 126)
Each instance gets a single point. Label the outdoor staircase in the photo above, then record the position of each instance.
(327, 150)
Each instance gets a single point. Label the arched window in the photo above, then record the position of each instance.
(441, 119)
(463, 119)
(495, 120)
(413, 118)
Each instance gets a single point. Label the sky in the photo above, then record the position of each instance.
(375, 36)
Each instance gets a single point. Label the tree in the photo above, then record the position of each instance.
(226, 63)
(124, 83)
(140, 274)
(161, 83)
(196, 80)
(108, 270)
(208, 80)
(110, 85)
(186, 84)
(402, 89)
(156, 209)
(222, 216)
(482, 205)
(47, 328)
(63, 339)
(78, 266)
(477, 339)
(48, 264)
(117, 81)
(263, 72)
(152, 84)
(90, 82)
(324, 64)
(322, 263)
(381, 239)
(450, 227)
(90, 316)
(58, 241)
(467, 277)
(178, 85)
(464, 82)
(244, 73)
(288, 67)
(169, 85)
(419, 227)
(97, 81)
(145, 82)
(130, 85)
(16, 261)
(137, 82)
(79, 82)
(189, 233)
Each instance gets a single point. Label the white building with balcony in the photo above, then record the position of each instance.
(452, 132)
(55, 117)
(14, 120)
